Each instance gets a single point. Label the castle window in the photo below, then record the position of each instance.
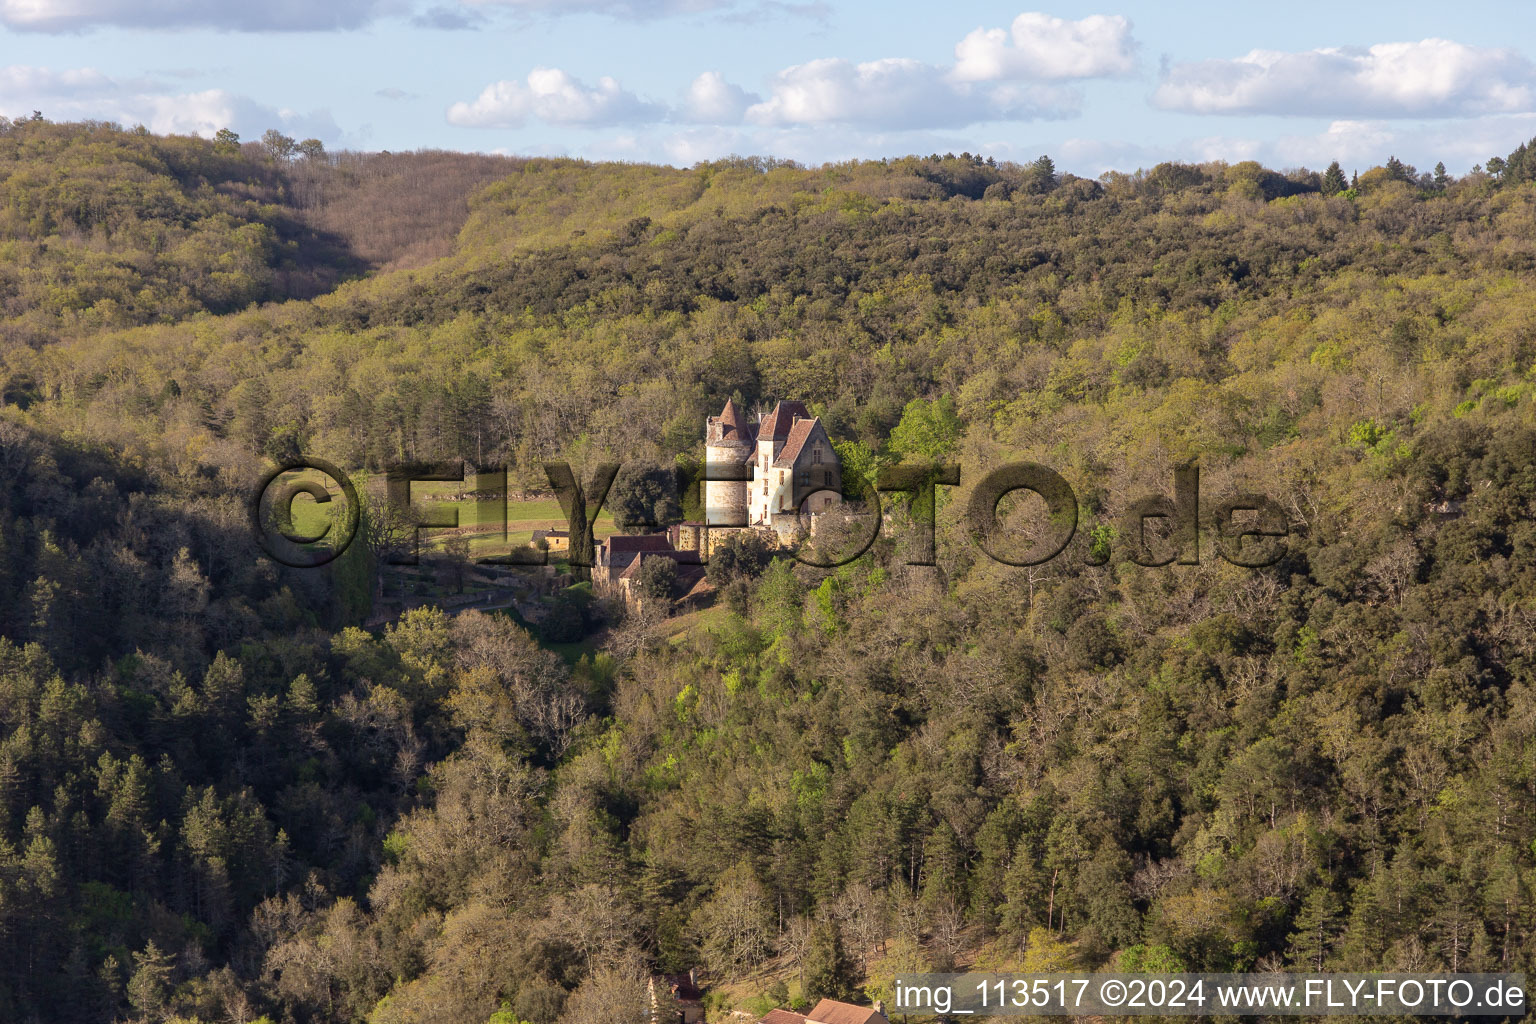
(816, 456)
(826, 477)
(805, 478)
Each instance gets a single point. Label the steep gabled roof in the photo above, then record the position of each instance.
(682, 558)
(776, 425)
(797, 438)
(623, 544)
(830, 1011)
(638, 542)
(781, 1017)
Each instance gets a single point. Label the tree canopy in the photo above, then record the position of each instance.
(230, 790)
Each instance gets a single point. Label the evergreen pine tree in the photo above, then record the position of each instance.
(1316, 929)
(827, 972)
(1399, 171)
(150, 985)
(1333, 180)
(1518, 167)
(1040, 176)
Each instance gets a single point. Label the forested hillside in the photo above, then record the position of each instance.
(221, 798)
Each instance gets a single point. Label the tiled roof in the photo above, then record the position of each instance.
(625, 543)
(782, 1017)
(731, 429)
(797, 438)
(682, 558)
(731, 425)
(777, 424)
(830, 1011)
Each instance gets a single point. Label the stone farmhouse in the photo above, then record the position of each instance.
(553, 541)
(617, 563)
(828, 1011)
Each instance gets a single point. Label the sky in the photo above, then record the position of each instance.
(1102, 86)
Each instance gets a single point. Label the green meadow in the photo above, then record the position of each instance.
(479, 517)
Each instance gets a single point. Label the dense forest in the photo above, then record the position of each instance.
(222, 798)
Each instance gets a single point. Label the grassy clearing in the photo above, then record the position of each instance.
(572, 652)
(484, 516)
(481, 519)
(684, 626)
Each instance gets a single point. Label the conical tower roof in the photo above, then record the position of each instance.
(730, 422)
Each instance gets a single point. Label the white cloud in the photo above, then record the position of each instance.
(1351, 142)
(449, 19)
(1362, 144)
(998, 77)
(986, 82)
(1431, 78)
(713, 100)
(809, 144)
(269, 15)
(646, 10)
(551, 95)
(203, 113)
(82, 93)
(327, 15)
(20, 82)
(897, 93)
(688, 147)
(619, 8)
(1357, 144)
(1042, 48)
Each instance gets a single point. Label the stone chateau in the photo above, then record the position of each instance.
(792, 470)
(781, 473)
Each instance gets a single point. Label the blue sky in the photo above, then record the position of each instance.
(1098, 86)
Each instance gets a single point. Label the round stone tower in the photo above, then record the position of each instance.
(727, 452)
